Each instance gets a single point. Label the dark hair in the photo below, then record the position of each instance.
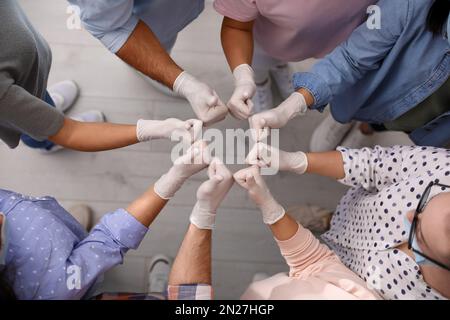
(438, 15)
(6, 292)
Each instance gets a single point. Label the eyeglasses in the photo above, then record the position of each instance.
(420, 208)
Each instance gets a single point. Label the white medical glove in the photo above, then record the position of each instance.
(251, 180)
(210, 195)
(265, 156)
(174, 129)
(196, 159)
(278, 117)
(241, 104)
(204, 101)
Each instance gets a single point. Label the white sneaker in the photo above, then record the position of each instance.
(158, 276)
(88, 116)
(263, 98)
(64, 94)
(329, 135)
(282, 76)
(355, 139)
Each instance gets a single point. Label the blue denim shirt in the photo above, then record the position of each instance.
(47, 253)
(379, 74)
(112, 21)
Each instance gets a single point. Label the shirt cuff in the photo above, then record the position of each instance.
(125, 228)
(114, 40)
(316, 86)
(291, 245)
(347, 159)
(190, 292)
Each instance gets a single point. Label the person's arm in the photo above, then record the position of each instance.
(364, 51)
(299, 246)
(144, 52)
(192, 266)
(375, 168)
(118, 232)
(123, 33)
(88, 136)
(84, 136)
(328, 164)
(237, 42)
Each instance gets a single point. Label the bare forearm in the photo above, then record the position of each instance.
(89, 137)
(237, 42)
(327, 164)
(285, 228)
(193, 262)
(144, 52)
(147, 207)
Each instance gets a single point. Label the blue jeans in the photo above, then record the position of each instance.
(32, 143)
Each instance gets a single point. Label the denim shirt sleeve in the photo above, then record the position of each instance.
(110, 21)
(364, 51)
(101, 250)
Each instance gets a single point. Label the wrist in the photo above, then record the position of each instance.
(244, 74)
(297, 105)
(298, 162)
(203, 219)
(181, 83)
(272, 212)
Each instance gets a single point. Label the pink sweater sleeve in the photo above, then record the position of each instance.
(304, 250)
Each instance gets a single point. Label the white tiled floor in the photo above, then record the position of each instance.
(108, 180)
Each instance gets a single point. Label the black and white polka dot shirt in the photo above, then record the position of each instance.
(369, 224)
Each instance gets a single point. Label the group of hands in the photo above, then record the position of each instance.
(211, 193)
(220, 179)
(210, 109)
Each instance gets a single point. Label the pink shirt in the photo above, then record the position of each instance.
(294, 30)
(315, 273)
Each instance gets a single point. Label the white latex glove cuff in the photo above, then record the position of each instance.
(202, 219)
(295, 105)
(272, 211)
(244, 74)
(168, 184)
(181, 81)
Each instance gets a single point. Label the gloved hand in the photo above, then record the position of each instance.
(241, 104)
(265, 156)
(277, 118)
(174, 129)
(251, 180)
(210, 195)
(196, 159)
(204, 100)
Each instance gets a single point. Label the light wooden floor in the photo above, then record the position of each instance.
(109, 180)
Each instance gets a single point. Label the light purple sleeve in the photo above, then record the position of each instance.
(240, 10)
(100, 251)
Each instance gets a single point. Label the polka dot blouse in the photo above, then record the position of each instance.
(368, 224)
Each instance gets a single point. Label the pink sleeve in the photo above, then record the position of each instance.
(304, 250)
(240, 10)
